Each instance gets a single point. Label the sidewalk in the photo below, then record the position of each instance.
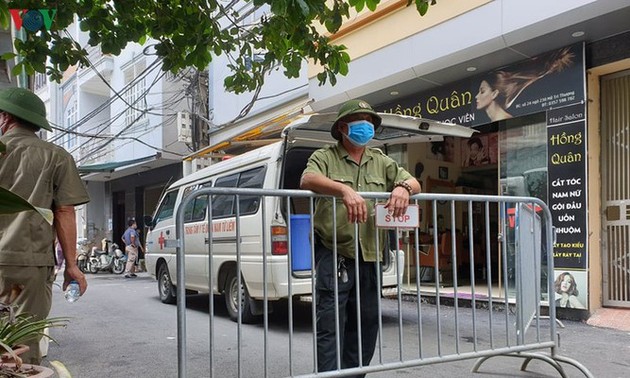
(600, 344)
(614, 318)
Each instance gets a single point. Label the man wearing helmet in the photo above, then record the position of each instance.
(45, 175)
(341, 171)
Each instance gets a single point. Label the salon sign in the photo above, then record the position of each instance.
(548, 81)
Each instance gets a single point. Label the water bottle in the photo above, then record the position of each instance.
(73, 292)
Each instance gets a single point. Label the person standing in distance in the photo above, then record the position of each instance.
(341, 171)
(132, 229)
(132, 256)
(45, 175)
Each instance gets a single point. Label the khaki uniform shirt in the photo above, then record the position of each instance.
(46, 176)
(376, 173)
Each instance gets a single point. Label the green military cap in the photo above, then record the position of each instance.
(24, 104)
(354, 107)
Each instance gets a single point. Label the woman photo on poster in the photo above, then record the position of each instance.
(444, 150)
(477, 153)
(499, 89)
(566, 287)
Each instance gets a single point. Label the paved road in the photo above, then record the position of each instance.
(121, 329)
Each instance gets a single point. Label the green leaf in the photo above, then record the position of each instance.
(7, 56)
(359, 5)
(343, 67)
(11, 203)
(422, 6)
(190, 33)
(24, 327)
(321, 78)
(7, 348)
(17, 70)
(372, 4)
(5, 17)
(303, 7)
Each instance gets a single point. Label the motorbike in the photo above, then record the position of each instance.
(110, 258)
(82, 254)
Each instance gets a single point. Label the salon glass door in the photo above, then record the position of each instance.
(522, 172)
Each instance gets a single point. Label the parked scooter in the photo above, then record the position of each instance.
(111, 259)
(83, 254)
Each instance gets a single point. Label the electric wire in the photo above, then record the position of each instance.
(126, 88)
(134, 126)
(108, 123)
(110, 100)
(141, 115)
(137, 139)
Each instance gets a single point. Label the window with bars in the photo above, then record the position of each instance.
(70, 120)
(135, 96)
(40, 81)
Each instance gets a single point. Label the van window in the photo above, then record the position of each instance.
(196, 209)
(165, 211)
(223, 205)
(199, 211)
(252, 179)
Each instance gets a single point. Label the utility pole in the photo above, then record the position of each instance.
(199, 92)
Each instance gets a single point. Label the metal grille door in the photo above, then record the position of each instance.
(615, 110)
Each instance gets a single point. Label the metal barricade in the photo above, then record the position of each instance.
(497, 282)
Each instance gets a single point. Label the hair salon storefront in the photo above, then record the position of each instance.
(532, 141)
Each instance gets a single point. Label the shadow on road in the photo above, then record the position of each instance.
(278, 319)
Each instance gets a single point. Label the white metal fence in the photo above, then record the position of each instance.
(498, 299)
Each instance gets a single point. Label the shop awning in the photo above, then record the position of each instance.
(111, 166)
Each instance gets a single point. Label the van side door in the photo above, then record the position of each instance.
(196, 234)
(224, 211)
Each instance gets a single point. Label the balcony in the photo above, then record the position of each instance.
(89, 80)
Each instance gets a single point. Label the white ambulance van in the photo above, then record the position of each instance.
(275, 166)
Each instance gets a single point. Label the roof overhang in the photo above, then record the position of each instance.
(115, 170)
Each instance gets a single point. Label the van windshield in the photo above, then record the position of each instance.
(165, 211)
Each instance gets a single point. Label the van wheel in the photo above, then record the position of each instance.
(230, 294)
(165, 286)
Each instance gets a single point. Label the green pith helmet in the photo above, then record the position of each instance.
(354, 107)
(24, 104)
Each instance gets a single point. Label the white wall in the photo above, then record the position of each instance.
(226, 106)
(498, 25)
(97, 212)
(278, 89)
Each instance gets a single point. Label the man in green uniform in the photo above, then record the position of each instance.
(45, 175)
(341, 171)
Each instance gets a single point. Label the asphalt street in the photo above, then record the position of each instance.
(121, 329)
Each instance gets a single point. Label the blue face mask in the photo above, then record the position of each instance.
(360, 132)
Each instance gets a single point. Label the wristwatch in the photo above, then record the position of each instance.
(405, 185)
